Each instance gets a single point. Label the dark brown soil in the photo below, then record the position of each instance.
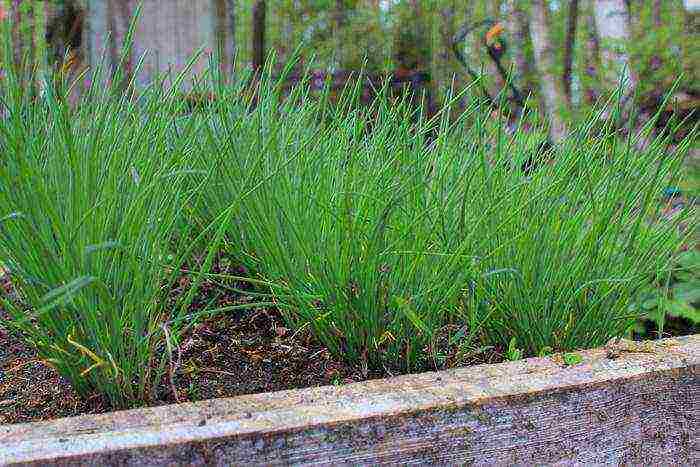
(227, 356)
(232, 354)
(29, 389)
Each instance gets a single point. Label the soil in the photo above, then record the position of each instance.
(229, 355)
(232, 354)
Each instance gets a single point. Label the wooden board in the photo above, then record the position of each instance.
(640, 407)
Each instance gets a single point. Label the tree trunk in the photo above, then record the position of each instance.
(16, 33)
(544, 61)
(97, 33)
(592, 58)
(226, 36)
(569, 43)
(192, 23)
(165, 43)
(96, 37)
(612, 23)
(120, 14)
(519, 30)
(259, 21)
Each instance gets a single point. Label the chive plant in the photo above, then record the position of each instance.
(575, 242)
(93, 229)
(90, 197)
(384, 243)
(349, 235)
(387, 234)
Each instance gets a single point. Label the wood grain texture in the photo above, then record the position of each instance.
(638, 408)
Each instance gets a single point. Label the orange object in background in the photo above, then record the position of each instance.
(3, 14)
(493, 33)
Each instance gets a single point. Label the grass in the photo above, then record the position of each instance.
(394, 238)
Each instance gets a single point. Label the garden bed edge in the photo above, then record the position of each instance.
(632, 406)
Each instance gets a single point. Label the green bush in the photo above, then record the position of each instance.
(676, 298)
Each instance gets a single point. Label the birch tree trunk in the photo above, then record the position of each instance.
(612, 23)
(552, 97)
(569, 43)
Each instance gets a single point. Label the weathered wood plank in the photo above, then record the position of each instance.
(639, 408)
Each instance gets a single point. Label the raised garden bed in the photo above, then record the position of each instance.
(269, 245)
(634, 403)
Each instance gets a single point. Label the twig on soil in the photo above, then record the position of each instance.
(23, 364)
(171, 366)
(220, 372)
